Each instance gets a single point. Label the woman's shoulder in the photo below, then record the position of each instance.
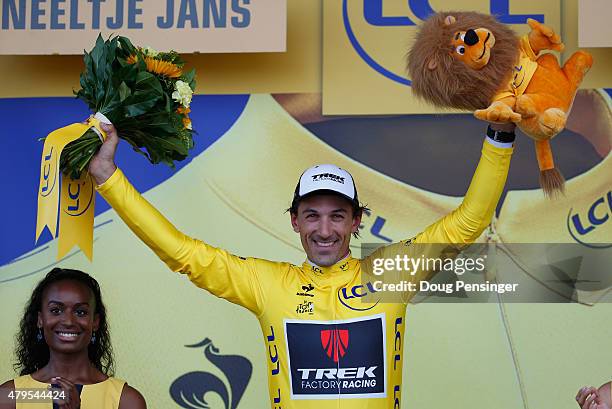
(10, 384)
(115, 390)
(131, 398)
(24, 381)
(5, 389)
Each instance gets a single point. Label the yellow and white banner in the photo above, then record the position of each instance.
(187, 26)
(74, 199)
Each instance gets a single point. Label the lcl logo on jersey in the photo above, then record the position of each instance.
(331, 358)
(351, 297)
(316, 270)
(583, 225)
(363, 18)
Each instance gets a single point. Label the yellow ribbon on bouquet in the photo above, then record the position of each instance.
(73, 198)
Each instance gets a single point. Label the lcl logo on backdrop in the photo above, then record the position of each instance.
(587, 225)
(361, 16)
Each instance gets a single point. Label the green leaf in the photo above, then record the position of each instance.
(124, 91)
(127, 73)
(98, 52)
(171, 144)
(145, 81)
(127, 45)
(189, 78)
(192, 80)
(140, 102)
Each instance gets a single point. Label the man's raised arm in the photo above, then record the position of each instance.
(466, 223)
(447, 236)
(223, 274)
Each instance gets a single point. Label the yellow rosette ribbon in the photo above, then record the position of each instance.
(74, 199)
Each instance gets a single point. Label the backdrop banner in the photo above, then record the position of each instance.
(232, 193)
(187, 26)
(365, 45)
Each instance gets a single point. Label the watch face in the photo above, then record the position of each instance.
(500, 136)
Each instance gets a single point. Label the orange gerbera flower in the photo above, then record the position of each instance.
(158, 66)
(187, 123)
(183, 110)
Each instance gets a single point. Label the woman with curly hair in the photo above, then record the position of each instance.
(64, 342)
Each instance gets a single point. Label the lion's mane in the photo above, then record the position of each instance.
(452, 83)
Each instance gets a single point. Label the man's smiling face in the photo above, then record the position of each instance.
(325, 223)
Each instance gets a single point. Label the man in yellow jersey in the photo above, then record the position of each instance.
(327, 347)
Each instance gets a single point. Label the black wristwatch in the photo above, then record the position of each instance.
(500, 136)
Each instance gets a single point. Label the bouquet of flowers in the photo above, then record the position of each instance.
(144, 93)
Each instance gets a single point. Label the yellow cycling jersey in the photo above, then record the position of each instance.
(325, 345)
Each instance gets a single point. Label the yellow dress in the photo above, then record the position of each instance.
(102, 395)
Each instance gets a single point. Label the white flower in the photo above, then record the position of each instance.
(150, 52)
(182, 94)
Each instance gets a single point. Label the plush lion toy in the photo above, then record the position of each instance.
(468, 60)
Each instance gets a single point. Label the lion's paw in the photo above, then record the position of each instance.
(552, 121)
(543, 37)
(525, 106)
(497, 112)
